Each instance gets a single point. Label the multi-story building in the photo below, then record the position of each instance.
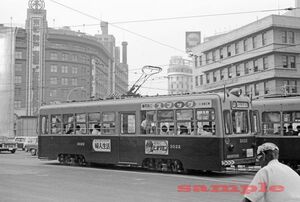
(60, 64)
(260, 58)
(180, 76)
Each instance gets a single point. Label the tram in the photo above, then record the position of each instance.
(168, 133)
(280, 124)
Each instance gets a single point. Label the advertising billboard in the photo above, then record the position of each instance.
(192, 39)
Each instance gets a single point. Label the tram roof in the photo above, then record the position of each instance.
(276, 100)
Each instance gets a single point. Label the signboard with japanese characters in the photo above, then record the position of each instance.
(102, 145)
(157, 147)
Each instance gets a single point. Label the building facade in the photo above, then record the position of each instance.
(261, 58)
(55, 65)
(180, 76)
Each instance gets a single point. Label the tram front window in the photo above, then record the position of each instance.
(240, 122)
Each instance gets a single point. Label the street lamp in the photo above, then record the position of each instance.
(73, 89)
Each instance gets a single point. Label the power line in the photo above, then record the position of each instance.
(205, 15)
(129, 31)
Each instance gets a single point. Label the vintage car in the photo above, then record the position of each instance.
(7, 145)
(32, 148)
(24, 140)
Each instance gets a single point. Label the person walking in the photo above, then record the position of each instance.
(274, 182)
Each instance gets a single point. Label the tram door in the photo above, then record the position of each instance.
(128, 140)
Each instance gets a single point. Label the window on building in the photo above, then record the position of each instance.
(214, 76)
(17, 92)
(17, 104)
(265, 63)
(290, 86)
(221, 53)
(200, 60)
(53, 68)
(53, 80)
(18, 79)
(264, 38)
(64, 69)
(229, 51)
(238, 69)
(245, 44)
(229, 72)
(292, 60)
(267, 87)
(64, 81)
(254, 42)
(246, 67)
(256, 89)
(247, 90)
(196, 81)
(18, 55)
(214, 54)
(74, 70)
(284, 36)
(195, 60)
(236, 48)
(285, 61)
(207, 78)
(222, 74)
(64, 56)
(74, 81)
(201, 79)
(291, 37)
(255, 65)
(53, 56)
(18, 67)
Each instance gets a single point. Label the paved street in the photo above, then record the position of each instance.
(26, 178)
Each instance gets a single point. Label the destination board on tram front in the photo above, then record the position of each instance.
(177, 104)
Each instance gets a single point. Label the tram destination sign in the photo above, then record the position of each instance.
(177, 104)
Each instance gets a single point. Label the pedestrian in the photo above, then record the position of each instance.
(274, 182)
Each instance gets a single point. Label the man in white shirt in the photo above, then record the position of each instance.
(274, 182)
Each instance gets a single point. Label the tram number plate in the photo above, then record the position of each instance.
(243, 140)
(175, 146)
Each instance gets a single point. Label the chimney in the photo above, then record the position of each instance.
(104, 27)
(124, 52)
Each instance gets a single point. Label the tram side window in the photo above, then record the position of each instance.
(80, 126)
(56, 124)
(291, 123)
(128, 123)
(94, 124)
(254, 121)
(68, 124)
(185, 122)
(148, 125)
(227, 122)
(44, 125)
(108, 123)
(206, 124)
(240, 122)
(165, 121)
(271, 123)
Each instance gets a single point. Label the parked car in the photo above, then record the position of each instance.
(32, 148)
(24, 140)
(7, 145)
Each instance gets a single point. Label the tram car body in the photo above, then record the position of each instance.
(280, 124)
(168, 133)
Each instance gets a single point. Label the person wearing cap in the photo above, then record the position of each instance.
(274, 182)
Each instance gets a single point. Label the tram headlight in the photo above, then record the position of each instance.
(230, 147)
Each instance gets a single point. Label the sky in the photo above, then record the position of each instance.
(149, 42)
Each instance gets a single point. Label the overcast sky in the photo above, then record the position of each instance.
(165, 38)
